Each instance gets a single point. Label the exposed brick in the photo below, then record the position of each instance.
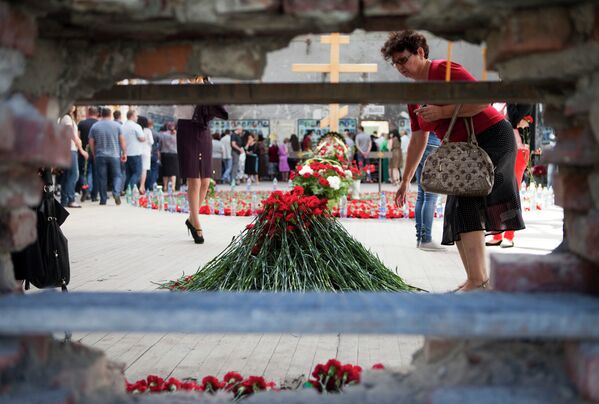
(7, 129)
(582, 360)
(17, 29)
(437, 348)
(385, 8)
(594, 186)
(11, 353)
(245, 6)
(37, 348)
(21, 187)
(572, 190)
(162, 61)
(583, 234)
(594, 119)
(525, 33)
(38, 141)
(575, 147)
(543, 273)
(12, 65)
(91, 372)
(345, 8)
(7, 275)
(17, 229)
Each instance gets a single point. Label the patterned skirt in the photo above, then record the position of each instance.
(500, 210)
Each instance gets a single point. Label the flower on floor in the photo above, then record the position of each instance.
(211, 384)
(233, 382)
(333, 376)
(378, 366)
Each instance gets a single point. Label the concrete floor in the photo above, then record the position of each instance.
(128, 249)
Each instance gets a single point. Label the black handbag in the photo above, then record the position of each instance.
(45, 263)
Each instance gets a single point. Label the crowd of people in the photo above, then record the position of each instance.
(109, 152)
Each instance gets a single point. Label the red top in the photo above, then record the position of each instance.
(482, 121)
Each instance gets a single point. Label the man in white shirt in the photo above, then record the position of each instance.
(226, 141)
(134, 138)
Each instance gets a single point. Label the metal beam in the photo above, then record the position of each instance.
(321, 93)
(484, 315)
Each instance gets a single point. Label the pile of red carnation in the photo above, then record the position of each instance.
(333, 376)
(233, 382)
(291, 210)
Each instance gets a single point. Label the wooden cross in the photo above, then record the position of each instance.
(334, 68)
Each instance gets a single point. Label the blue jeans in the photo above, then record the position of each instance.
(90, 177)
(425, 204)
(108, 167)
(227, 165)
(133, 168)
(68, 181)
(152, 177)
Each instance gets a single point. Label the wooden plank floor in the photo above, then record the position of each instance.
(130, 249)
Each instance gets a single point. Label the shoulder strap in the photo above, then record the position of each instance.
(454, 117)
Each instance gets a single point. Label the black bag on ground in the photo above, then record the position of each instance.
(45, 263)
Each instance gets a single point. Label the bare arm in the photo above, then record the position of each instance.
(123, 147)
(92, 147)
(432, 113)
(416, 149)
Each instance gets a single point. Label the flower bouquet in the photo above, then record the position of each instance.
(332, 147)
(293, 245)
(323, 178)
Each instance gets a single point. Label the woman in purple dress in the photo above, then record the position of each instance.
(283, 160)
(194, 146)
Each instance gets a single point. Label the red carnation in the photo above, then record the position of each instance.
(211, 384)
(324, 182)
(378, 366)
(306, 175)
(173, 384)
(250, 226)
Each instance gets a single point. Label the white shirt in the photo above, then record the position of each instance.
(218, 149)
(134, 137)
(226, 141)
(67, 120)
(147, 145)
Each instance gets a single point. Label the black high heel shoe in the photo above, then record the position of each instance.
(197, 234)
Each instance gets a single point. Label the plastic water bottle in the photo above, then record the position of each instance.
(171, 199)
(211, 206)
(382, 206)
(233, 185)
(160, 199)
(550, 201)
(248, 185)
(274, 184)
(439, 208)
(290, 184)
(185, 207)
(343, 207)
(135, 195)
(233, 207)
(128, 196)
(149, 196)
(405, 211)
(221, 207)
(254, 206)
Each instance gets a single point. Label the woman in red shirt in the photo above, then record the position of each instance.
(466, 218)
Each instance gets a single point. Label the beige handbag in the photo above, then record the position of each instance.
(459, 168)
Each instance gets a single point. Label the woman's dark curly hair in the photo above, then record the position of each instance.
(399, 41)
